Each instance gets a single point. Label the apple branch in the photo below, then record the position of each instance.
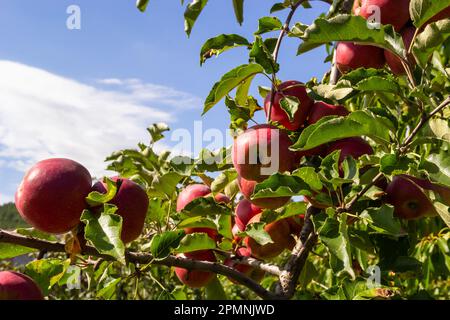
(276, 51)
(142, 258)
(252, 262)
(293, 268)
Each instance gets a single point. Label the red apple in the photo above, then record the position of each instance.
(279, 231)
(132, 204)
(190, 193)
(245, 210)
(356, 7)
(350, 56)
(51, 196)
(262, 151)
(394, 12)
(17, 286)
(196, 278)
(221, 198)
(294, 89)
(322, 109)
(355, 147)
(394, 63)
(442, 191)
(248, 186)
(408, 199)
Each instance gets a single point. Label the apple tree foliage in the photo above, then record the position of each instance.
(402, 117)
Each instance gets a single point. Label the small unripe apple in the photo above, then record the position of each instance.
(394, 63)
(262, 151)
(408, 199)
(294, 89)
(52, 195)
(322, 109)
(279, 231)
(196, 278)
(247, 188)
(394, 12)
(354, 147)
(245, 210)
(132, 204)
(350, 56)
(17, 286)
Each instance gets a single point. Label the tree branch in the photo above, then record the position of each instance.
(142, 258)
(293, 268)
(249, 261)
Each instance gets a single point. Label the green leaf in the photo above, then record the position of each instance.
(47, 272)
(358, 123)
(262, 56)
(290, 105)
(443, 211)
(95, 198)
(382, 220)
(230, 81)
(310, 176)
(238, 6)
(223, 180)
(165, 185)
(377, 83)
(334, 235)
(34, 233)
(390, 164)
(214, 290)
(197, 222)
(333, 92)
(267, 24)
(8, 250)
(163, 244)
(142, 4)
(104, 231)
(108, 290)
(205, 207)
(354, 29)
(156, 211)
(279, 185)
(220, 44)
(191, 14)
(423, 10)
(256, 231)
(280, 6)
(225, 226)
(195, 242)
(156, 131)
(430, 40)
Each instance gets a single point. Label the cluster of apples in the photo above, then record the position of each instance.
(281, 232)
(52, 197)
(351, 56)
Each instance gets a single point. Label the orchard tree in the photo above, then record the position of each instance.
(343, 193)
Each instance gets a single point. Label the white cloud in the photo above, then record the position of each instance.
(45, 115)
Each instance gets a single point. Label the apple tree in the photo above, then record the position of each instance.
(351, 202)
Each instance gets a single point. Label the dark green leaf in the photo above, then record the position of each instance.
(220, 44)
(215, 291)
(382, 220)
(267, 24)
(191, 14)
(163, 244)
(422, 11)
(142, 4)
(262, 56)
(238, 6)
(194, 242)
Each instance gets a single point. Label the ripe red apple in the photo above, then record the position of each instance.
(17, 286)
(51, 196)
(394, 12)
(322, 109)
(221, 198)
(355, 147)
(394, 63)
(262, 151)
(196, 278)
(350, 56)
(294, 89)
(444, 192)
(408, 199)
(245, 210)
(190, 193)
(279, 231)
(248, 186)
(296, 223)
(132, 204)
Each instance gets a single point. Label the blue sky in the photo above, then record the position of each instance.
(84, 93)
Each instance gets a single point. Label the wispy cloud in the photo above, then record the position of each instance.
(46, 115)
